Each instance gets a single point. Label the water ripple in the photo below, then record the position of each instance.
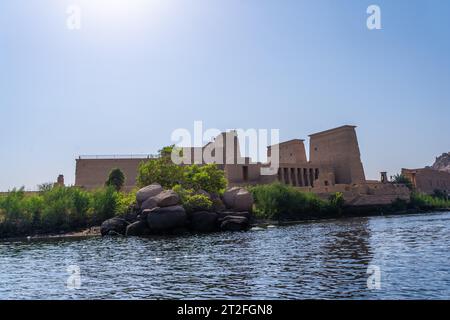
(324, 259)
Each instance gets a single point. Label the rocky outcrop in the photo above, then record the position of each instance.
(238, 199)
(159, 211)
(229, 196)
(150, 203)
(167, 198)
(148, 192)
(234, 223)
(442, 162)
(166, 218)
(203, 221)
(114, 226)
(138, 228)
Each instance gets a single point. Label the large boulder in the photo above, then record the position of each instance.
(150, 203)
(229, 196)
(203, 221)
(138, 228)
(167, 198)
(114, 226)
(243, 201)
(238, 199)
(143, 215)
(234, 223)
(148, 192)
(166, 218)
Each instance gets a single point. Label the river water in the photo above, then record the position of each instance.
(392, 257)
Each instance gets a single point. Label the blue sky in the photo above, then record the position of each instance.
(140, 69)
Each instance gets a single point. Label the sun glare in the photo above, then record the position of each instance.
(122, 13)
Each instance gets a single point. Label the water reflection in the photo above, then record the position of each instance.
(326, 259)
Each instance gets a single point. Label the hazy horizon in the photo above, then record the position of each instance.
(137, 70)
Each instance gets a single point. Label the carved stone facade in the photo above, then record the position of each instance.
(427, 180)
(334, 166)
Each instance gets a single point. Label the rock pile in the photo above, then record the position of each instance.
(159, 211)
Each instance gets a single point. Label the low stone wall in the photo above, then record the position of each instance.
(373, 193)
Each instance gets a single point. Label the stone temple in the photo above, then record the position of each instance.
(334, 165)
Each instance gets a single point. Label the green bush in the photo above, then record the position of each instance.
(206, 177)
(125, 201)
(197, 202)
(56, 209)
(103, 205)
(160, 170)
(16, 213)
(427, 202)
(63, 208)
(277, 201)
(197, 177)
(192, 201)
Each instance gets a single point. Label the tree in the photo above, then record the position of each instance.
(116, 179)
(160, 170)
(206, 177)
(401, 179)
(168, 174)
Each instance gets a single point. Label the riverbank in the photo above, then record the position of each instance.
(257, 223)
(268, 222)
(71, 212)
(83, 233)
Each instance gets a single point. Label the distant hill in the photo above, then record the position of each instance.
(442, 162)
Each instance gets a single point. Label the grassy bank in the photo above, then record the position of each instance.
(59, 209)
(65, 209)
(282, 202)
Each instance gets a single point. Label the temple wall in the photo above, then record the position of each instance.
(339, 148)
(92, 173)
(428, 180)
(292, 152)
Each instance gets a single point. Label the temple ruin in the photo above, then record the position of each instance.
(334, 165)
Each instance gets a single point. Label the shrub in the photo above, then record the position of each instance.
(116, 179)
(58, 209)
(103, 205)
(64, 208)
(192, 201)
(428, 202)
(14, 213)
(12, 204)
(197, 177)
(160, 170)
(206, 177)
(276, 201)
(197, 202)
(125, 201)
